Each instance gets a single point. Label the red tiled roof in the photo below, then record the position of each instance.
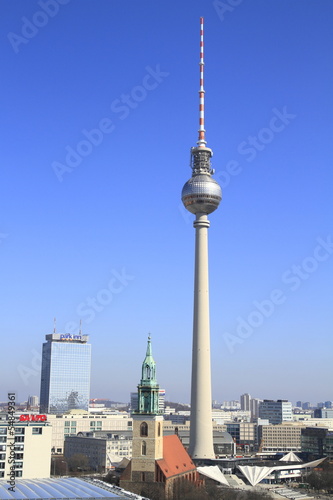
(175, 459)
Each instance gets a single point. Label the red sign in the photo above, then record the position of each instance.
(32, 418)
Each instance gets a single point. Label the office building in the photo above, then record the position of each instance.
(79, 421)
(279, 438)
(317, 442)
(201, 195)
(65, 378)
(243, 433)
(323, 413)
(245, 402)
(103, 449)
(254, 407)
(275, 411)
(29, 446)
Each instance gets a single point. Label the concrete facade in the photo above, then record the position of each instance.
(104, 450)
(29, 449)
(70, 424)
(280, 438)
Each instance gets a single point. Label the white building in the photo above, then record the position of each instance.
(25, 450)
(276, 411)
(71, 423)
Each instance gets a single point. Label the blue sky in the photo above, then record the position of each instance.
(99, 107)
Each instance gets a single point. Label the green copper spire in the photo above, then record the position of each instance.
(148, 389)
(149, 367)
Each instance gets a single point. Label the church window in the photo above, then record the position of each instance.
(143, 448)
(144, 429)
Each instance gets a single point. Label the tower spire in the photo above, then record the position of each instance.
(202, 139)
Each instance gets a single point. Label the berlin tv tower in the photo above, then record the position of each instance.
(201, 195)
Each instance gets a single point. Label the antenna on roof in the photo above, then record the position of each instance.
(54, 325)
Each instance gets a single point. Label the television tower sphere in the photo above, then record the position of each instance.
(201, 194)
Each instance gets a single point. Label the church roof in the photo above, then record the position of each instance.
(175, 459)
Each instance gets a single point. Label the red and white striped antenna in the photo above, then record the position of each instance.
(202, 140)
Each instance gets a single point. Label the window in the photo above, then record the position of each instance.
(18, 473)
(3, 439)
(142, 476)
(18, 456)
(143, 448)
(2, 456)
(19, 430)
(37, 430)
(2, 465)
(3, 430)
(2, 474)
(159, 429)
(144, 429)
(19, 439)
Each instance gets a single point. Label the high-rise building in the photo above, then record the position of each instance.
(65, 378)
(254, 408)
(33, 402)
(245, 402)
(201, 195)
(275, 411)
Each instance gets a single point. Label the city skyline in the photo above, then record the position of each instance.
(72, 243)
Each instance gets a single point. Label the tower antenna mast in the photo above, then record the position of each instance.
(202, 139)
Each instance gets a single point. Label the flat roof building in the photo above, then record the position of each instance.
(65, 377)
(275, 411)
(27, 445)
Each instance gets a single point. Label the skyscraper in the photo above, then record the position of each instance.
(65, 378)
(245, 402)
(201, 195)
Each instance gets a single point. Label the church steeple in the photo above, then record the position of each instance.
(148, 389)
(148, 367)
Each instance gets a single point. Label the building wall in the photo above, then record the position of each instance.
(280, 438)
(65, 374)
(276, 411)
(103, 452)
(146, 449)
(72, 423)
(32, 447)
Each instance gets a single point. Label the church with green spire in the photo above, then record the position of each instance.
(157, 461)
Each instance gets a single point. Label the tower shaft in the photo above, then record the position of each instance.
(201, 429)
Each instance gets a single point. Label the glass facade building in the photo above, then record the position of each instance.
(275, 411)
(65, 378)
